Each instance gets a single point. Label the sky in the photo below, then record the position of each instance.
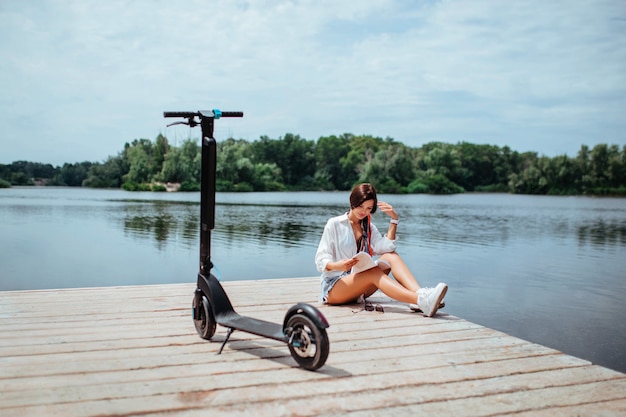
(80, 78)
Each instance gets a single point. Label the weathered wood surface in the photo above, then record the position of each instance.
(133, 351)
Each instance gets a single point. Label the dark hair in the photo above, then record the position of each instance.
(362, 193)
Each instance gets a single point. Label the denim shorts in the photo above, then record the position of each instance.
(327, 284)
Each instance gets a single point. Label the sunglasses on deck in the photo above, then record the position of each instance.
(370, 307)
(373, 307)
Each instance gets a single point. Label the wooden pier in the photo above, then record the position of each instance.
(133, 351)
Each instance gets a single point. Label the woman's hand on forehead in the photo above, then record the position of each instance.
(387, 209)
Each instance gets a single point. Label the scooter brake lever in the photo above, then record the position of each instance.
(190, 122)
(178, 123)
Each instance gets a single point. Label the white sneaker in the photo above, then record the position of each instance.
(429, 299)
(416, 309)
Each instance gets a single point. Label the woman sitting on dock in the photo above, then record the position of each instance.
(346, 235)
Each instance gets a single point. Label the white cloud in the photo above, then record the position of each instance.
(81, 78)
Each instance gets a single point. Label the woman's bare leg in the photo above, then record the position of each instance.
(351, 286)
(400, 271)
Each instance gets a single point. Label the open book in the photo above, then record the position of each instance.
(366, 262)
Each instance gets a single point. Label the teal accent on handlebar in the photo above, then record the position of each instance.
(217, 113)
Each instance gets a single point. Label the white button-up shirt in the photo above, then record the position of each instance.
(338, 242)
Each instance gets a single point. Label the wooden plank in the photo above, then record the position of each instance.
(134, 351)
(394, 393)
(118, 367)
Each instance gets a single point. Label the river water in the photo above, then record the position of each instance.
(551, 270)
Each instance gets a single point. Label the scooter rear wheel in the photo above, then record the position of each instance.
(308, 343)
(203, 318)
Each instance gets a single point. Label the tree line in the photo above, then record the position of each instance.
(292, 163)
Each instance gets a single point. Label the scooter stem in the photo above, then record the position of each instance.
(207, 191)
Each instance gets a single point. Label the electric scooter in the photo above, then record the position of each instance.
(304, 326)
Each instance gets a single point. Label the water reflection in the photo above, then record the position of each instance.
(602, 234)
(178, 223)
(175, 222)
(265, 225)
(161, 221)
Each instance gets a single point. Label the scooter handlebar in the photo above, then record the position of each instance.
(232, 114)
(197, 113)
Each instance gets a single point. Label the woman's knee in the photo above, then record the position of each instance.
(390, 255)
(391, 258)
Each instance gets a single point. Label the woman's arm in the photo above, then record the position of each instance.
(331, 255)
(391, 212)
(391, 232)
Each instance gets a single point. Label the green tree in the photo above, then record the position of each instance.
(140, 165)
(532, 179)
(161, 148)
(5, 173)
(107, 175)
(329, 152)
(585, 179)
(192, 157)
(72, 175)
(145, 159)
(362, 149)
(183, 163)
(266, 177)
(26, 173)
(173, 169)
(390, 169)
(433, 183)
(446, 160)
(294, 156)
(599, 164)
(507, 163)
(442, 169)
(560, 173)
(484, 167)
(234, 165)
(616, 170)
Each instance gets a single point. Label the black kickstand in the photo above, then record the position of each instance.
(230, 331)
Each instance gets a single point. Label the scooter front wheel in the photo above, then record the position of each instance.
(308, 343)
(203, 318)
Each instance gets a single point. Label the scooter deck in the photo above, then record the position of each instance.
(252, 325)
